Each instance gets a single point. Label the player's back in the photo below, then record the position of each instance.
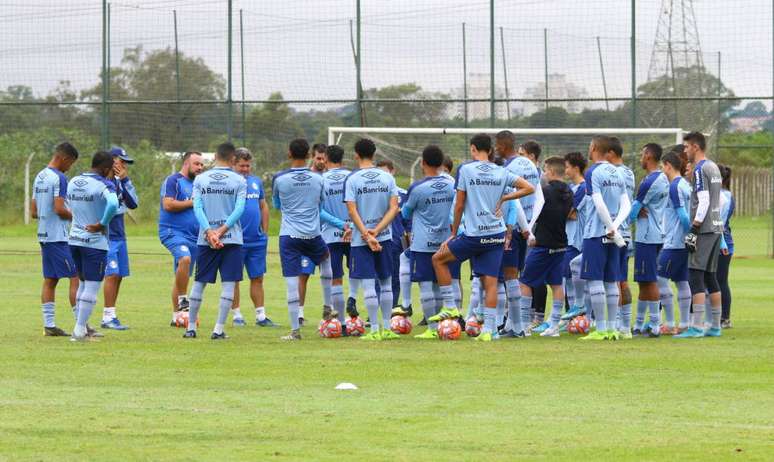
(49, 184)
(179, 188)
(87, 199)
(523, 167)
(605, 179)
(218, 190)
(627, 175)
(431, 200)
(550, 227)
(333, 202)
(251, 218)
(574, 228)
(371, 189)
(300, 193)
(679, 196)
(706, 177)
(653, 195)
(484, 184)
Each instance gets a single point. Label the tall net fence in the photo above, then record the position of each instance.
(160, 76)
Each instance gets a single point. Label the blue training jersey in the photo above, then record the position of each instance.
(628, 178)
(679, 197)
(726, 212)
(523, 167)
(251, 219)
(184, 224)
(219, 198)
(653, 195)
(603, 178)
(574, 228)
(428, 204)
(484, 184)
(371, 189)
(298, 193)
(333, 203)
(127, 199)
(398, 225)
(87, 197)
(49, 184)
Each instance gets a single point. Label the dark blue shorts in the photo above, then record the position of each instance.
(454, 269)
(519, 242)
(543, 266)
(484, 252)
(57, 260)
(117, 259)
(601, 261)
(571, 253)
(181, 247)
(339, 252)
(365, 264)
(673, 264)
(646, 262)
(422, 267)
(623, 269)
(89, 262)
(292, 250)
(226, 261)
(254, 259)
(512, 258)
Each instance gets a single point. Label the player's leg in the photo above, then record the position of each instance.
(457, 250)
(404, 273)
(475, 298)
(326, 281)
(428, 302)
(290, 260)
(230, 268)
(384, 265)
(57, 263)
(92, 271)
(578, 286)
(116, 270)
(395, 252)
(184, 257)
(303, 280)
(665, 293)
(362, 273)
(237, 319)
(47, 297)
(207, 263)
(539, 301)
(724, 264)
(338, 251)
(430, 298)
(554, 277)
(487, 254)
(489, 330)
(595, 264)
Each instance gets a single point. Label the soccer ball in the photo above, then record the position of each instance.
(449, 329)
(330, 328)
(355, 327)
(181, 319)
(472, 327)
(578, 325)
(400, 325)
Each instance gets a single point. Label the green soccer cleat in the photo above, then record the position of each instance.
(625, 334)
(596, 335)
(691, 332)
(446, 313)
(387, 334)
(429, 334)
(372, 337)
(484, 337)
(612, 334)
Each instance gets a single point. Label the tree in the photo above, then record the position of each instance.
(270, 126)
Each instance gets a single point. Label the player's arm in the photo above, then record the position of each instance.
(168, 201)
(459, 208)
(703, 196)
(264, 216)
(60, 208)
(239, 209)
(354, 216)
(522, 188)
(540, 201)
(111, 206)
(623, 210)
(327, 217)
(392, 212)
(33, 209)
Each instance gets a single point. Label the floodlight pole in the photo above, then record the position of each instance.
(27, 188)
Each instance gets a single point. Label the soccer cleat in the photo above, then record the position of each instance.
(352, 308)
(189, 334)
(55, 332)
(326, 312)
(625, 334)
(612, 335)
(409, 311)
(563, 326)
(653, 332)
(398, 310)
(330, 314)
(506, 333)
(220, 336)
(535, 323)
(726, 324)
(265, 323)
(574, 312)
(423, 322)
(374, 336)
(666, 330)
(183, 304)
(172, 324)
(238, 322)
(429, 334)
(484, 337)
(114, 324)
(387, 334)
(596, 335)
(93, 333)
(550, 332)
(446, 313)
(540, 328)
(691, 332)
(713, 332)
(79, 338)
(293, 335)
(301, 321)
(637, 332)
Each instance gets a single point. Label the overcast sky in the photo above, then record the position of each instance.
(302, 48)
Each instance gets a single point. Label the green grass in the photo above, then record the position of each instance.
(148, 394)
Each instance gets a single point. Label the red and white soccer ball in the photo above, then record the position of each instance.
(355, 327)
(330, 328)
(401, 325)
(473, 327)
(449, 329)
(181, 319)
(578, 325)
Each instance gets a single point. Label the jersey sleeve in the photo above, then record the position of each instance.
(394, 187)
(261, 192)
(674, 194)
(644, 190)
(580, 193)
(698, 179)
(349, 188)
(510, 178)
(587, 183)
(462, 182)
(597, 181)
(60, 186)
(170, 187)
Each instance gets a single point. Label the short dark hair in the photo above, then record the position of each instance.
(532, 147)
(674, 160)
(448, 163)
(696, 138)
(243, 154)
(602, 143)
(507, 138)
(576, 159)
(655, 150)
(482, 142)
(386, 163)
(616, 146)
(299, 149)
(319, 147)
(66, 149)
(432, 156)
(365, 148)
(725, 174)
(188, 154)
(225, 151)
(335, 153)
(555, 164)
(102, 159)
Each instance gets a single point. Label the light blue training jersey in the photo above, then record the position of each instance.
(574, 228)
(428, 204)
(603, 178)
(653, 195)
(679, 197)
(298, 193)
(49, 184)
(219, 198)
(628, 178)
(484, 184)
(371, 189)
(88, 195)
(333, 203)
(523, 167)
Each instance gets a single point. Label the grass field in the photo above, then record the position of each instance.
(148, 394)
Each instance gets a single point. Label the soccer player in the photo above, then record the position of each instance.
(337, 238)
(372, 202)
(93, 202)
(298, 193)
(724, 260)
(602, 241)
(318, 164)
(648, 213)
(118, 256)
(673, 259)
(48, 205)
(399, 242)
(548, 243)
(219, 196)
(255, 228)
(704, 238)
(481, 190)
(178, 228)
(428, 205)
(575, 287)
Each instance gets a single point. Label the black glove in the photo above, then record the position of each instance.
(690, 239)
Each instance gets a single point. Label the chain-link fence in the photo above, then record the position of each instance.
(160, 76)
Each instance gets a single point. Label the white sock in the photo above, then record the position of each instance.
(300, 311)
(218, 329)
(260, 313)
(108, 313)
(237, 314)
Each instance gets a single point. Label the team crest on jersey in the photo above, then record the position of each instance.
(41, 176)
(113, 264)
(184, 248)
(301, 177)
(218, 176)
(336, 176)
(370, 175)
(80, 183)
(485, 167)
(438, 185)
(255, 185)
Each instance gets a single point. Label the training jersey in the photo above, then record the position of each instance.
(523, 167)
(252, 233)
(679, 197)
(574, 228)
(428, 205)
(183, 224)
(127, 199)
(371, 189)
(726, 212)
(484, 184)
(298, 193)
(399, 227)
(333, 203)
(627, 175)
(220, 195)
(87, 198)
(604, 178)
(550, 225)
(653, 195)
(706, 177)
(49, 184)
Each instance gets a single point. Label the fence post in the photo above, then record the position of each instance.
(602, 70)
(177, 85)
(505, 77)
(771, 202)
(491, 65)
(229, 102)
(27, 188)
(545, 66)
(633, 52)
(242, 74)
(465, 74)
(360, 111)
(104, 115)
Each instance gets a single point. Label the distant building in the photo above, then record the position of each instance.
(560, 88)
(478, 88)
(748, 124)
